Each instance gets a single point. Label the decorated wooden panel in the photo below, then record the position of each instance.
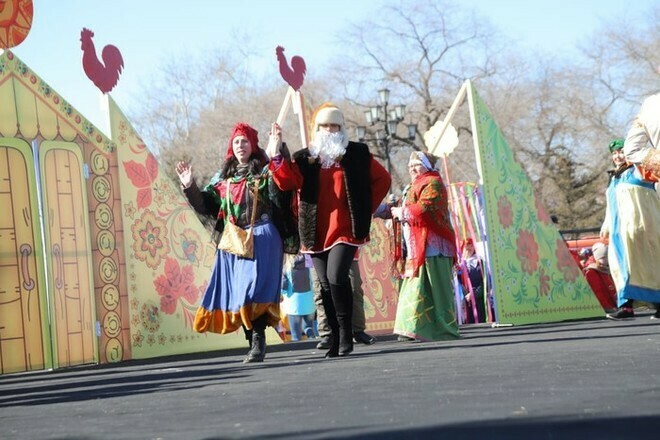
(380, 294)
(535, 278)
(24, 331)
(69, 254)
(169, 254)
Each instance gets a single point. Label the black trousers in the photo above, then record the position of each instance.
(332, 268)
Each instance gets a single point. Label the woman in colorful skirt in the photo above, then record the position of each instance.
(242, 292)
(426, 310)
(632, 223)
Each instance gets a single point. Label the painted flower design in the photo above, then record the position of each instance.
(175, 284)
(527, 251)
(129, 210)
(375, 250)
(150, 242)
(190, 245)
(138, 339)
(505, 212)
(565, 262)
(159, 198)
(150, 318)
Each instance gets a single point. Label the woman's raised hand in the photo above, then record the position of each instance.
(274, 141)
(184, 171)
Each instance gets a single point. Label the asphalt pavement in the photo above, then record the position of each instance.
(570, 380)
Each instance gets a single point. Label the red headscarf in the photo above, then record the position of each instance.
(243, 129)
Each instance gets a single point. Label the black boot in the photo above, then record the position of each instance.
(345, 341)
(331, 316)
(258, 351)
(342, 296)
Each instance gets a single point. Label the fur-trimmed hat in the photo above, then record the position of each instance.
(328, 113)
(243, 129)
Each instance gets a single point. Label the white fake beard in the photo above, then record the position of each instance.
(328, 147)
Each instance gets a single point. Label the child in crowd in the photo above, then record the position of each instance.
(298, 299)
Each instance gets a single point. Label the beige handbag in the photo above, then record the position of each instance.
(235, 239)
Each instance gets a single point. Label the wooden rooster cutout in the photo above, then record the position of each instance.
(104, 74)
(294, 76)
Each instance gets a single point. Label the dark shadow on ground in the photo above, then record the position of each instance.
(541, 428)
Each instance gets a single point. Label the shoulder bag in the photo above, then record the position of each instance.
(235, 239)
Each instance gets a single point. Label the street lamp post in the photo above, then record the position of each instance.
(390, 118)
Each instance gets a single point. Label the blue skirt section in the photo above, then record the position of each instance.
(239, 282)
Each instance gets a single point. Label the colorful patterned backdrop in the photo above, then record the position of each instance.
(380, 296)
(169, 254)
(535, 277)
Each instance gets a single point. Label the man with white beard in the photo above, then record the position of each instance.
(340, 186)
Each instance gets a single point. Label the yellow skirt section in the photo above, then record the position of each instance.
(222, 322)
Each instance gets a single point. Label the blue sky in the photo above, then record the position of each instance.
(149, 32)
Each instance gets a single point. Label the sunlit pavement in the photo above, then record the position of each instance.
(598, 379)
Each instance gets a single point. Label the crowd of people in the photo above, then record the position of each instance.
(318, 204)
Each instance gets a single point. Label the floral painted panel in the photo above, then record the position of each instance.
(535, 277)
(169, 254)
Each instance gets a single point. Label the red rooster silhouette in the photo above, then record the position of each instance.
(104, 74)
(295, 74)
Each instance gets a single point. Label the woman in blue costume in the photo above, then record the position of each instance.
(632, 223)
(242, 292)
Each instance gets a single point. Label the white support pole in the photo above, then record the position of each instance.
(299, 109)
(281, 117)
(450, 114)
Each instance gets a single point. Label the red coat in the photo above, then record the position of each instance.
(603, 286)
(333, 219)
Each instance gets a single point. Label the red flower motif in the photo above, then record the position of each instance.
(565, 262)
(542, 213)
(175, 284)
(527, 252)
(142, 176)
(544, 283)
(504, 212)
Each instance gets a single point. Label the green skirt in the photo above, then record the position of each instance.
(426, 308)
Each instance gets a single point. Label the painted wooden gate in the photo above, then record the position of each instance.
(45, 321)
(24, 330)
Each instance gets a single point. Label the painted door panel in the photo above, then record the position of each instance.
(69, 256)
(24, 331)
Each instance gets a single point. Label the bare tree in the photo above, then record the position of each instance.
(422, 51)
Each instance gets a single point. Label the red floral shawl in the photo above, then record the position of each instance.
(428, 209)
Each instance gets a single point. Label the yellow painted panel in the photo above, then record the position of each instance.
(47, 120)
(67, 130)
(13, 356)
(8, 118)
(26, 111)
(23, 305)
(69, 245)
